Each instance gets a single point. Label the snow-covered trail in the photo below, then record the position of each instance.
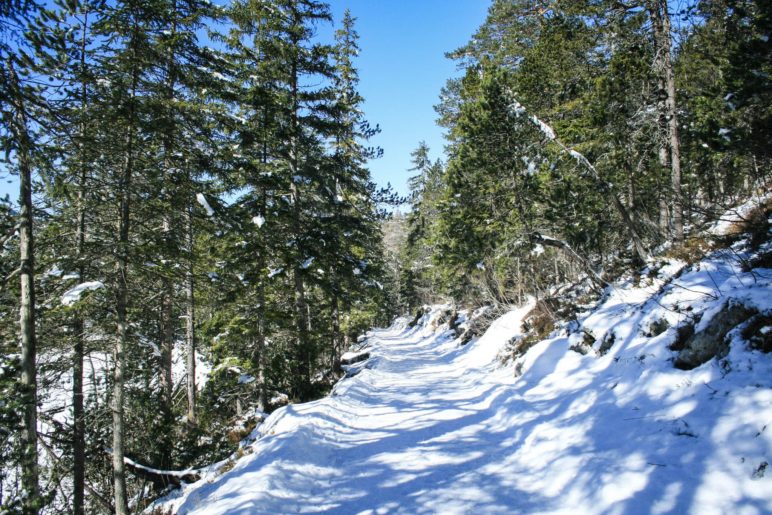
(428, 426)
(414, 431)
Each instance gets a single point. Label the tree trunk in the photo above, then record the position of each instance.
(121, 304)
(78, 412)
(166, 379)
(301, 308)
(168, 321)
(660, 20)
(29, 434)
(336, 343)
(675, 141)
(79, 437)
(79, 425)
(190, 331)
(121, 501)
(663, 154)
(262, 396)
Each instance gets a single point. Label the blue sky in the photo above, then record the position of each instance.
(402, 68)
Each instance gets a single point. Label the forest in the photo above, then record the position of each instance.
(197, 238)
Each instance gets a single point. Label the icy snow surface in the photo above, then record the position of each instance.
(428, 426)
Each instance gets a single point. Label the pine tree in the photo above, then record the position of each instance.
(426, 189)
(353, 267)
(28, 47)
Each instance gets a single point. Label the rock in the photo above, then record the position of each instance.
(683, 333)
(349, 358)
(758, 332)
(656, 328)
(585, 347)
(474, 326)
(711, 342)
(444, 316)
(419, 314)
(607, 343)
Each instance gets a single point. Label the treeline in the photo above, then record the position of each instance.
(583, 136)
(193, 182)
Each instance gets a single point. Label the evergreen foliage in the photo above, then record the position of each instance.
(569, 152)
(197, 202)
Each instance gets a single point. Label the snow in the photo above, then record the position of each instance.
(545, 129)
(54, 271)
(205, 204)
(273, 272)
(518, 110)
(427, 425)
(576, 155)
(348, 356)
(246, 379)
(738, 214)
(258, 221)
(180, 370)
(72, 295)
(176, 473)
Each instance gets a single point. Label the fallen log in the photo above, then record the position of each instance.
(160, 478)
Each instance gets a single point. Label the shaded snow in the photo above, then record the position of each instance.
(427, 426)
(72, 295)
(738, 214)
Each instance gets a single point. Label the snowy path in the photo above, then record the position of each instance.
(416, 431)
(431, 427)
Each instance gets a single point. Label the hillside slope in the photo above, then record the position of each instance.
(599, 421)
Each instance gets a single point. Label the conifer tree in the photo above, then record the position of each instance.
(26, 48)
(425, 193)
(354, 265)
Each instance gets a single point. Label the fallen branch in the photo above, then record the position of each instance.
(160, 478)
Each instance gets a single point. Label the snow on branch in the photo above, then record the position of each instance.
(205, 204)
(517, 109)
(162, 478)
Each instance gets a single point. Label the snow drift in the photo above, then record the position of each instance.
(599, 421)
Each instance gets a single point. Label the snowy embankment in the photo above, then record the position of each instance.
(600, 421)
